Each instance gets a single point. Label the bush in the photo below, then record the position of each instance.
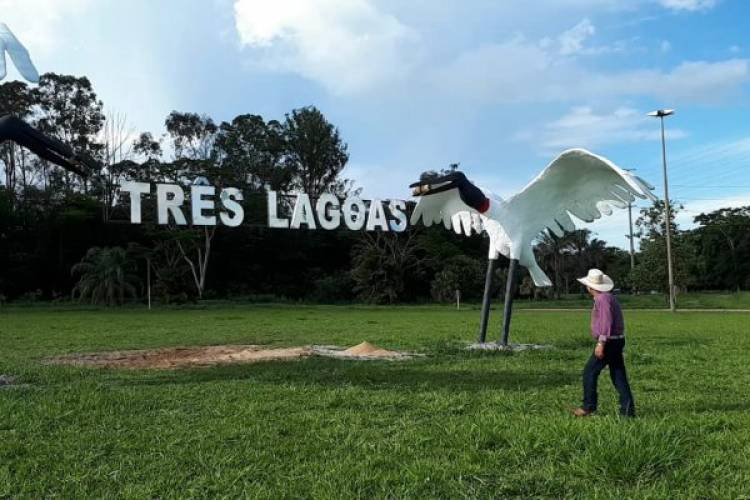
(332, 289)
(459, 273)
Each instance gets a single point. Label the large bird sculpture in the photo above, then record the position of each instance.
(577, 183)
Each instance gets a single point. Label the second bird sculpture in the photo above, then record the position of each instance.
(577, 183)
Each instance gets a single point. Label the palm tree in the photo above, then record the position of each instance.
(106, 276)
(550, 254)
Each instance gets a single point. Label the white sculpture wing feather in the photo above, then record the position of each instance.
(579, 183)
(447, 207)
(18, 54)
(3, 71)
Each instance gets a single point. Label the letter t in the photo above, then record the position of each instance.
(136, 189)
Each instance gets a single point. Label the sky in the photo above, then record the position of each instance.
(500, 87)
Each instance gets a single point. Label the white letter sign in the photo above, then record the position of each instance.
(198, 205)
(136, 189)
(167, 205)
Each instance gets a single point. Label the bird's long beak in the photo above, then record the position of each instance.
(436, 185)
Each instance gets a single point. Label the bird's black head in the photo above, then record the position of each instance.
(469, 193)
(433, 184)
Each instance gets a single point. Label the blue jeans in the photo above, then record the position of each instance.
(612, 357)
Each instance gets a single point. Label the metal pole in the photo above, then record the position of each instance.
(148, 282)
(510, 288)
(668, 219)
(632, 247)
(486, 300)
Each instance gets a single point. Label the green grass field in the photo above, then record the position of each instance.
(453, 424)
(692, 300)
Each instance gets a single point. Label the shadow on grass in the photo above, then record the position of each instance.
(376, 375)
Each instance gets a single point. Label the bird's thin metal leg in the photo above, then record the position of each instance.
(510, 289)
(486, 300)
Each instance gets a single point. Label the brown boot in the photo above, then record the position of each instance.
(582, 412)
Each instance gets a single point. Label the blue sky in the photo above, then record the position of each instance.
(498, 86)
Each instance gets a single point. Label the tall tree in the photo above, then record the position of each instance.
(193, 137)
(70, 110)
(16, 99)
(116, 149)
(252, 154)
(652, 220)
(651, 271)
(723, 246)
(315, 152)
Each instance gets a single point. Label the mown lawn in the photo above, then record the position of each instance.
(450, 425)
(692, 300)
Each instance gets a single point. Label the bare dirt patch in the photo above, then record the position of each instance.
(183, 356)
(178, 357)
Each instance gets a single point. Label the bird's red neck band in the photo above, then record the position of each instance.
(484, 206)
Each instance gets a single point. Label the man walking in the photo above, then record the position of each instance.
(608, 329)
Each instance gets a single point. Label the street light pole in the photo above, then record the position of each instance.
(661, 113)
(630, 230)
(630, 225)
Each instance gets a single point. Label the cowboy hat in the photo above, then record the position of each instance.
(597, 280)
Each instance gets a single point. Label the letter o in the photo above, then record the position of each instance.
(355, 220)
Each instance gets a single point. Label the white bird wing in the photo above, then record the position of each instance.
(448, 208)
(18, 54)
(579, 183)
(3, 70)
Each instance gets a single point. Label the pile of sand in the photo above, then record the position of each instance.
(368, 349)
(178, 357)
(363, 351)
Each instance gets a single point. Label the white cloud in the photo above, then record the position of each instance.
(665, 46)
(688, 5)
(382, 182)
(583, 127)
(40, 24)
(691, 80)
(571, 41)
(511, 71)
(353, 47)
(519, 70)
(346, 45)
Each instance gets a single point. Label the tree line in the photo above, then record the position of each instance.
(63, 235)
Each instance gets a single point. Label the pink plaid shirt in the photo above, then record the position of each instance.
(606, 318)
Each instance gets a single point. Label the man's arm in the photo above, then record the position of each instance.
(602, 327)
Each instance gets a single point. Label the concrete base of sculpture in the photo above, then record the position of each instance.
(493, 346)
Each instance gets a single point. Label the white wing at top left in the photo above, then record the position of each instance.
(18, 54)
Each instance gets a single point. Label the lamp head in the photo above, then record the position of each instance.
(661, 112)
